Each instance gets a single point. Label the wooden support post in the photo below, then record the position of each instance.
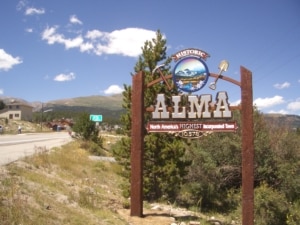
(247, 148)
(137, 145)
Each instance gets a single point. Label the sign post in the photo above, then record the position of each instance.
(247, 148)
(247, 143)
(137, 145)
(194, 80)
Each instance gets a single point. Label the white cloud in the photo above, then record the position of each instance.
(282, 86)
(127, 42)
(33, 11)
(94, 34)
(113, 89)
(1, 91)
(49, 34)
(73, 43)
(75, 20)
(52, 37)
(262, 103)
(294, 106)
(64, 77)
(7, 61)
(235, 103)
(29, 30)
(86, 47)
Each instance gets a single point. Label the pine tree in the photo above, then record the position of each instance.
(164, 163)
(86, 130)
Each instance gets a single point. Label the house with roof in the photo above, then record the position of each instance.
(15, 110)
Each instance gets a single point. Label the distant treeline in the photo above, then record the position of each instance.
(111, 117)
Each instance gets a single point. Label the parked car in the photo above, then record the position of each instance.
(1, 129)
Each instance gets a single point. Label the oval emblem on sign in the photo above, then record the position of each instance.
(190, 74)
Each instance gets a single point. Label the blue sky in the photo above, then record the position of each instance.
(58, 49)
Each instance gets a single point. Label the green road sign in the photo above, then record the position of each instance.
(96, 118)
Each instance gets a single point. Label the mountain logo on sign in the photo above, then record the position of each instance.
(190, 74)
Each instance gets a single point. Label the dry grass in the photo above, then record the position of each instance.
(61, 186)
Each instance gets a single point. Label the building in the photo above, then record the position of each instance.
(15, 110)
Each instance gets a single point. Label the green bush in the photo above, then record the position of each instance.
(93, 148)
(271, 207)
(293, 216)
(86, 130)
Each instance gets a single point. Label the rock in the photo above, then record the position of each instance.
(194, 223)
(156, 207)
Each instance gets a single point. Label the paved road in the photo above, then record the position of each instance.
(14, 147)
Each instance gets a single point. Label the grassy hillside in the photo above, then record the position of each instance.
(107, 106)
(112, 103)
(64, 187)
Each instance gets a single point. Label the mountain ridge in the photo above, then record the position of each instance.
(112, 102)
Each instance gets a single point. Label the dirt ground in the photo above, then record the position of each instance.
(162, 215)
(150, 217)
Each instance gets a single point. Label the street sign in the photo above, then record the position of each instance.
(96, 118)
